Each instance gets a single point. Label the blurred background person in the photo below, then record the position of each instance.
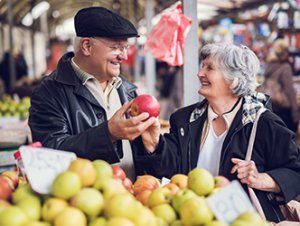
(279, 84)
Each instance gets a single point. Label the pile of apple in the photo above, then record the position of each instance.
(94, 193)
(182, 201)
(9, 107)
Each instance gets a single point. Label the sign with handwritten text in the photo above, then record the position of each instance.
(42, 165)
(228, 203)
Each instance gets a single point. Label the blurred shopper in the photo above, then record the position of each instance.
(279, 76)
(81, 107)
(214, 133)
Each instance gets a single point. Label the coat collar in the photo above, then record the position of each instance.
(251, 105)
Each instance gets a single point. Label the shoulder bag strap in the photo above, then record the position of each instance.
(252, 194)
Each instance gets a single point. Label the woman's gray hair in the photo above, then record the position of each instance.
(238, 63)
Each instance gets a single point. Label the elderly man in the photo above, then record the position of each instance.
(81, 107)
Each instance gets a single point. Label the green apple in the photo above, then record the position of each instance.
(182, 196)
(66, 185)
(166, 212)
(52, 207)
(90, 201)
(37, 223)
(144, 217)
(103, 168)
(86, 171)
(109, 186)
(119, 221)
(99, 221)
(216, 223)
(195, 211)
(248, 218)
(70, 216)
(159, 196)
(181, 180)
(120, 205)
(13, 216)
(22, 192)
(201, 181)
(32, 207)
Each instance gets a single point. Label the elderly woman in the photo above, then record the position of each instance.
(213, 134)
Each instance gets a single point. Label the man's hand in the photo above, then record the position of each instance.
(247, 173)
(151, 136)
(122, 128)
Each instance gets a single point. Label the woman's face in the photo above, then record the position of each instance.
(213, 84)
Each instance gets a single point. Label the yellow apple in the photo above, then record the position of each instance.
(37, 223)
(216, 223)
(176, 223)
(13, 216)
(120, 205)
(13, 176)
(166, 212)
(161, 222)
(119, 221)
(201, 181)
(32, 207)
(182, 196)
(3, 205)
(195, 211)
(144, 217)
(248, 218)
(86, 171)
(22, 192)
(109, 186)
(66, 185)
(221, 181)
(103, 168)
(70, 216)
(52, 207)
(99, 221)
(181, 180)
(159, 196)
(90, 201)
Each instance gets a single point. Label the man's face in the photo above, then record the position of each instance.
(107, 56)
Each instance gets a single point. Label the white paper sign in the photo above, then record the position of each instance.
(228, 203)
(42, 165)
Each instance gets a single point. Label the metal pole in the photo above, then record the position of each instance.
(191, 56)
(12, 65)
(149, 59)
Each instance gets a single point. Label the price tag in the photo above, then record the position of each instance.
(42, 165)
(164, 181)
(228, 203)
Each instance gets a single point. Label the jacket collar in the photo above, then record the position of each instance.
(251, 105)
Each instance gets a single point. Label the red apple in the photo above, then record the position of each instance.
(127, 184)
(145, 103)
(143, 197)
(118, 172)
(181, 180)
(221, 181)
(145, 182)
(172, 187)
(12, 176)
(5, 189)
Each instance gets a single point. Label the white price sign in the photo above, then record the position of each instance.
(230, 202)
(42, 165)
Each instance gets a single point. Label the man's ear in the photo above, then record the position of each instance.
(85, 46)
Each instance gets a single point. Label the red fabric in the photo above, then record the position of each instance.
(166, 40)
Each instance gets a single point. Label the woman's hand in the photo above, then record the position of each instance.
(247, 173)
(150, 136)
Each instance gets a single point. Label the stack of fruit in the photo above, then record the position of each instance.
(95, 193)
(12, 108)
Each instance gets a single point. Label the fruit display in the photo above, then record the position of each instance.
(10, 107)
(145, 103)
(95, 193)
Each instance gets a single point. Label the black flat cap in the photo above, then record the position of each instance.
(101, 22)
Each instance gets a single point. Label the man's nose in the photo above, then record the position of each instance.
(123, 55)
